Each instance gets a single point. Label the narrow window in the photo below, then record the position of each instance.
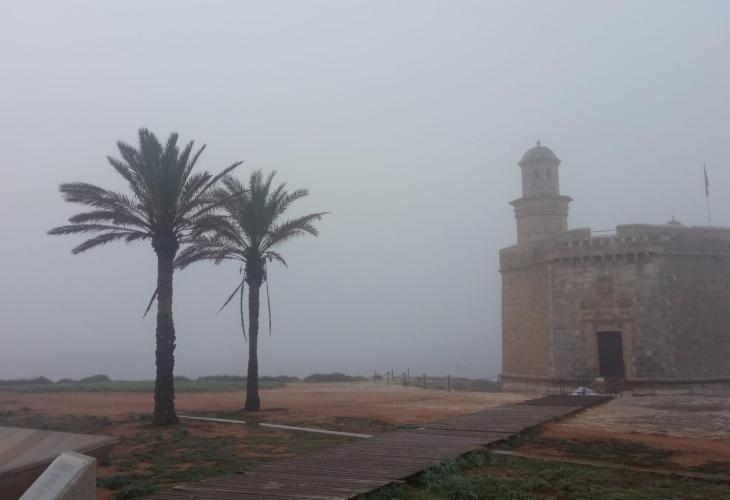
(547, 173)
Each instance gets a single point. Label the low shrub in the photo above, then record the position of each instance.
(95, 379)
(282, 379)
(333, 377)
(26, 381)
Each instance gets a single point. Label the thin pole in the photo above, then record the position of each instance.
(707, 196)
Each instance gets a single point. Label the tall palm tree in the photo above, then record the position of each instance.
(166, 205)
(251, 231)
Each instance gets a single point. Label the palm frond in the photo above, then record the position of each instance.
(275, 256)
(293, 228)
(92, 228)
(230, 297)
(240, 308)
(105, 238)
(111, 216)
(149, 304)
(268, 297)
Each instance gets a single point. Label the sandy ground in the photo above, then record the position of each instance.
(678, 415)
(696, 428)
(295, 402)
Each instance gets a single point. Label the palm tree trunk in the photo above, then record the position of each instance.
(164, 413)
(253, 401)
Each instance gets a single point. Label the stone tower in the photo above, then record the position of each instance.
(646, 305)
(541, 211)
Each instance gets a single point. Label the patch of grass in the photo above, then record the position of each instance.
(713, 468)
(607, 450)
(483, 476)
(156, 458)
(267, 441)
(528, 436)
(128, 486)
(162, 457)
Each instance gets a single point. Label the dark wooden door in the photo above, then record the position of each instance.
(610, 355)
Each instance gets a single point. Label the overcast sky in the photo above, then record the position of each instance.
(405, 119)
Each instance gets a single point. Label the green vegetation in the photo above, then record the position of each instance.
(173, 457)
(95, 379)
(606, 450)
(89, 384)
(480, 475)
(159, 458)
(24, 381)
(333, 377)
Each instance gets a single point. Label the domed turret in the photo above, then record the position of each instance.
(541, 211)
(540, 172)
(539, 152)
(674, 222)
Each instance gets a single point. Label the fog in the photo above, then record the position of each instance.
(404, 119)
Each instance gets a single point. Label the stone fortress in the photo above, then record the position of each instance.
(648, 305)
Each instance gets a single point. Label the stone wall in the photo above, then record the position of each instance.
(665, 288)
(698, 292)
(589, 297)
(526, 343)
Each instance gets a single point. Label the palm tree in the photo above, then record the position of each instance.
(166, 204)
(251, 231)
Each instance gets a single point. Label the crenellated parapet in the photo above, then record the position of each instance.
(631, 243)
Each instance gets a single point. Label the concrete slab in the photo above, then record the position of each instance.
(26, 453)
(71, 476)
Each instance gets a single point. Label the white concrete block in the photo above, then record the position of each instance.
(71, 476)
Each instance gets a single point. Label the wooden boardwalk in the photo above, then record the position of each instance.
(354, 468)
